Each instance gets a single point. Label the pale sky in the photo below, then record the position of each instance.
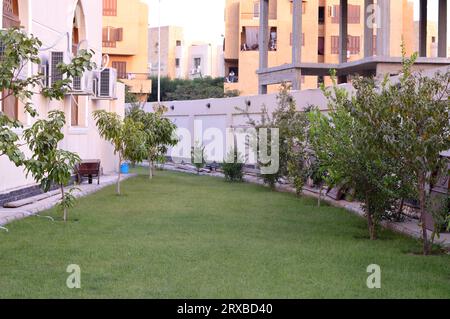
(202, 20)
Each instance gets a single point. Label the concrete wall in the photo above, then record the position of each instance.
(51, 21)
(222, 113)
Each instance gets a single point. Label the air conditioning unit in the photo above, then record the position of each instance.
(82, 85)
(104, 84)
(55, 58)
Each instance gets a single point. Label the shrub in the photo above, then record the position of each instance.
(232, 167)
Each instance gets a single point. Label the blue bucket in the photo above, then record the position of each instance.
(124, 168)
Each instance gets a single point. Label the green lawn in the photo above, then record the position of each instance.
(185, 236)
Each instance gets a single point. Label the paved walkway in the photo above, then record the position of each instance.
(8, 215)
(408, 227)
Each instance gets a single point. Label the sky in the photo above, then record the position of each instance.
(202, 20)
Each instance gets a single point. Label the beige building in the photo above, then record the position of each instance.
(125, 41)
(320, 40)
(68, 26)
(182, 59)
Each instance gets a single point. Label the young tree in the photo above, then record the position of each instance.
(126, 136)
(351, 154)
(292, 126)
(198, 157)
(159, 133)
(48, 164)
(413, 123)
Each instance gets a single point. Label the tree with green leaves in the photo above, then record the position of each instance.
(292, 126)
(413, 124)
(126, 136)
(50, 165)
(187, 89)
(159, 133)
(351, 154)
(198, 156)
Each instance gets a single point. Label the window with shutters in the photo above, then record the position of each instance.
(334, 44)
(121, 68)
(110, 7)
(353, 44)
(10, 14)
(354, 13)
(110, 36)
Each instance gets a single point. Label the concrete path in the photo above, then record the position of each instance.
(408, 227)
(8, 215)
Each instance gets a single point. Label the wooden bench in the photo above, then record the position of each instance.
(89, 169)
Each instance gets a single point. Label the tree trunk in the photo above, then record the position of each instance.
(372, 227)
(118, 177)
(150, 169)
(400, 209)
(62, 199)
(422, 198)
(370, 222)
(320, 196)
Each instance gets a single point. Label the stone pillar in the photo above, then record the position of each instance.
(263, 40)
(423, 28)
(297, 32)
(368, 28)
(297, 40)
(442, 29)
(343, 30)
(384, 29)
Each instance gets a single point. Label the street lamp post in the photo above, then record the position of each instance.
(159, 51)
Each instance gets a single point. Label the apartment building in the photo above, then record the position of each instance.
(63, 26)
(319, 37)
(182, 59)
(125, 42)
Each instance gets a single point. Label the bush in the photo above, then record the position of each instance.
(232, 167)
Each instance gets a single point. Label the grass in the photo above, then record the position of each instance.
(185, 236)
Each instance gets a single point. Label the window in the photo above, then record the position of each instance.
(121, 68)
(11, 13)
(334, 44)
(197, 63)
(256, 9)
(110, 7)
(321, 46)
(110, 36)
(10, 105)
(178, 43)
(74, 110)
(177, 62)
(354, 14)
(353, 44)
(321, 15)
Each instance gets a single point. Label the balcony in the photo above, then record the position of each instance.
(138, 83)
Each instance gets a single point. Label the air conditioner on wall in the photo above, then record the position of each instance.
(53, 73)
(104, 84)
(82, 85)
